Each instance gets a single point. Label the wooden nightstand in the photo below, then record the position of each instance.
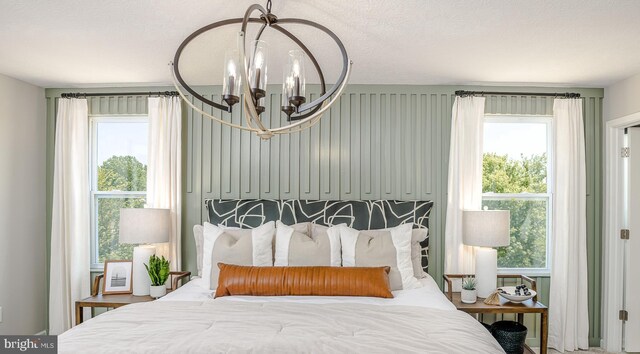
(115, 301)
(529, 306)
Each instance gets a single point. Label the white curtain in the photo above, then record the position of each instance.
(164, 168)
(568, 309)
(465, 179)
(69, 269)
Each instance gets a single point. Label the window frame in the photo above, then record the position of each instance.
(95, 194)
(548, 196)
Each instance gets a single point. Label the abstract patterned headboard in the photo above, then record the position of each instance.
(358, 214)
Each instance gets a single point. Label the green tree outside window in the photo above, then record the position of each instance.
(118, 173)
(528, 174)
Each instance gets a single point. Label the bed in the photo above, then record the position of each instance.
(190, 320)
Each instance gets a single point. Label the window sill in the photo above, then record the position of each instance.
(543, 273)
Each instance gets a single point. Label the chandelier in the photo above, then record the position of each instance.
(245, 79)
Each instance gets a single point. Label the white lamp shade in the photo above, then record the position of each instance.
(486, 228)
(144, 225)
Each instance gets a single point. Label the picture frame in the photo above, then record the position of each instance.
(118, 276)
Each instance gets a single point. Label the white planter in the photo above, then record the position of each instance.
(157, 291)
(468, 296)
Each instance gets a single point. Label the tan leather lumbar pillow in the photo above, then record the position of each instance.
(305, 281)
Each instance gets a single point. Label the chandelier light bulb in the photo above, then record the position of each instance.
(296, 70)
(287, 93)
(231, 80)
(258, 73)
(259, 60)
(231, 68)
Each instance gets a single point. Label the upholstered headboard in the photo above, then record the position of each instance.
(358, 214)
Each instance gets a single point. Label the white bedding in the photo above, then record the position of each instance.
(429, 295)
(189, 321)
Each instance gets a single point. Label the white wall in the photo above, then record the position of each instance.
(622, 98)
(23, 269)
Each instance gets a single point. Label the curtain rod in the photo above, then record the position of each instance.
(555, 94)
(81, 94)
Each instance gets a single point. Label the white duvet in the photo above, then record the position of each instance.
(428, 295)
(190, 321)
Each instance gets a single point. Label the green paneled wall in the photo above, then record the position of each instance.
(377, 142)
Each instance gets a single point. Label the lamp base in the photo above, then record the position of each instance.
(141, 280)
(486, 271)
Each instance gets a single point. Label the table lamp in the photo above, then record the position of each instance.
(485, 229)
(143, 226)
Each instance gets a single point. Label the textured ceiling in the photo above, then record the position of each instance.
(81, 43)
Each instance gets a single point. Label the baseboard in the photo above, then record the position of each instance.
(42, 333)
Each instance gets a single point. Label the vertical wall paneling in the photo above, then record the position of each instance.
(346, 154)
(193, 144)
(396, 144)
(310, 150)
(376, 142)
(289, 159)
(208, 142)
(375, 147)
(355, 167)
(404, 147)
(427, 146)
(237, 117)
(225, 159)
(314, 157)
(334, 160)
(386, 154)
(368, 162)
(215, 184)
(270, 152)
(325, 154)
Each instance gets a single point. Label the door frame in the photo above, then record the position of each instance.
(613, 246)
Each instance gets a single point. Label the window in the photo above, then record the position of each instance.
(118, 180)
(515, 177)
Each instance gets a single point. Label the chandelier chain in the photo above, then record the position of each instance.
(268, 6)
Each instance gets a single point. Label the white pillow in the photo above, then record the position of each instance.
(375, 243)
(199, 240)
(261, 247)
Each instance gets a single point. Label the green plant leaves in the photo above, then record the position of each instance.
(469, 283)
(158, 270)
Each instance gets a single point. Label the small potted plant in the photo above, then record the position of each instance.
(158, 269)
(469, 293)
